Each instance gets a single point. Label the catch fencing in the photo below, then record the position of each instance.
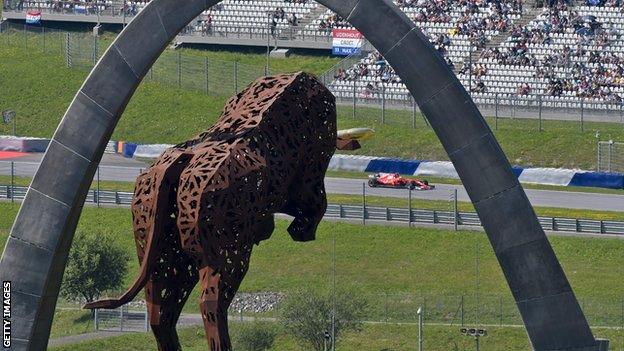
(364, 213)
(610, 157)
(174, 69)
(545, 111)
(384, 104)
(452, 310)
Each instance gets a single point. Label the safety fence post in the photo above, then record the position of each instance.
(610, 159)
(95, 50)
(146, 321)
(179, 69)
(413, 112)
(97, 195)
(364, 203)
(500, 300)
(496, 101)
(354, 98)
(386, 307)
(12, 181)
(68, 55)
(383, 103)
(582, 114)
(540, 112)
(206, 76)
(462, 310)
(235, 77)
(455, 210)
(409, 213)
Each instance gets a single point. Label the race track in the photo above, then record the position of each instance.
(541, 198)
(116, 168)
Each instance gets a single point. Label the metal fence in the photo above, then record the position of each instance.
(366, 213)
(122, 319)
(452, 310)
(78, 8)
(384, 104)
(610, 157)
(173, 68)
(387, 97)
(261, 33)
(120, 13)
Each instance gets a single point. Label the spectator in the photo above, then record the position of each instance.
(292, 20)
(523, 89)
(273, 26)
(479, 87)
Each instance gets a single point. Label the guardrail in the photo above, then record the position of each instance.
(374, 213)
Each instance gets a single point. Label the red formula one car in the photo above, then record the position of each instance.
(394, 180)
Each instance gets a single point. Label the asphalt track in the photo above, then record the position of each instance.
(116, 168)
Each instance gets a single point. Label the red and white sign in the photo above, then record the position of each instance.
(346, 41)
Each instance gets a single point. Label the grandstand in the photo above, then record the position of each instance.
(244, 16)
(503, 52)
(566, 57)
(565, 54)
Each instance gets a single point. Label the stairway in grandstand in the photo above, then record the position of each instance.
(251, 17)
(567, 67)
(292, 31)
(528, 15)
(561, 85)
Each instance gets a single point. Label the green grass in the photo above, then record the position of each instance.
(371, 338)
(104, 184)
(561, 144)
(156, 114)
(399, 267)
(315, 64)
(71, 322)
(164, 114)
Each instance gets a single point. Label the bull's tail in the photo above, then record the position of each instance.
(163, 177)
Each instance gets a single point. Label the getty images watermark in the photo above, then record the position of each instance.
(6, 314)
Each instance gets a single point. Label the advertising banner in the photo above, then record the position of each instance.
(33, 17)
(346, 42)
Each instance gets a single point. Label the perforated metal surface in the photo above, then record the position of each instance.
(202, 206)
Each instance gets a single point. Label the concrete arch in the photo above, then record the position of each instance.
(36, 251)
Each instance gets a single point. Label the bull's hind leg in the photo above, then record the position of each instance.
(166, 293)
(218, 291)
(214, 325)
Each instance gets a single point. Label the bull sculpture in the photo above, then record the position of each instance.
(198, 211)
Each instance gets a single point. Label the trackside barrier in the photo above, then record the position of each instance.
(445, 169)
(390, 214)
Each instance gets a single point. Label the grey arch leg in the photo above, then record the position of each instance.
(36, 252)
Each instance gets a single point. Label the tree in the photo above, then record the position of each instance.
(254, 336)
(307, 316)
(95, 265)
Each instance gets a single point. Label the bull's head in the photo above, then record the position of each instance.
(349, 140)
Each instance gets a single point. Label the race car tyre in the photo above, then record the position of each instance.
(372, 183)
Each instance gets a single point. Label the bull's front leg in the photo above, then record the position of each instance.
(307, 202)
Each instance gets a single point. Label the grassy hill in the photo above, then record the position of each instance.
(396, 270)
(41, 87)
(371, 338)
(398, 267)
